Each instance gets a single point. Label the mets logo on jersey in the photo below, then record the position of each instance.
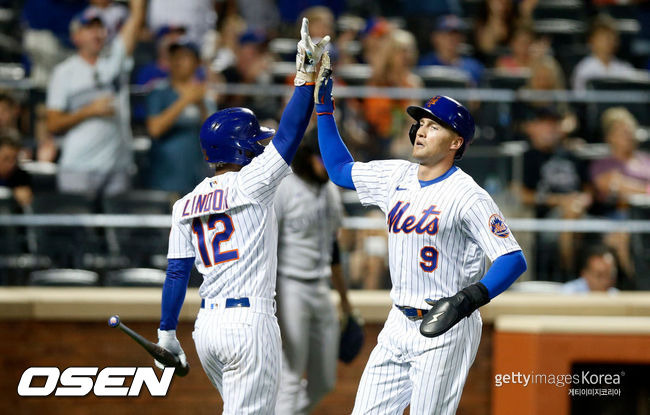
(498, 226)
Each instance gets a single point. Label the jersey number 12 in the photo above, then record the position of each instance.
(219, 237)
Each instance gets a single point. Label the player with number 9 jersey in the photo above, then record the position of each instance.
(441, 226)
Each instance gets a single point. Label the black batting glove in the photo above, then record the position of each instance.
(447, 311)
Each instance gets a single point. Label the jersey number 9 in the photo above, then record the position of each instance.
(429, 257)
(219, 237)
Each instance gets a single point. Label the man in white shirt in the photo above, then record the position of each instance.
(598, 273)
(602, 63)
(88, 104)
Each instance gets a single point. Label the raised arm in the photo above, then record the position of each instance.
(336, 157)
(297, 113)
(130, 28)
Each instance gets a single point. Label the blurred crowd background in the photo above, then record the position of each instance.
(101, 102)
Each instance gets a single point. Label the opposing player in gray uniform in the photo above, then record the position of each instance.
(441, 225)
(309, 211)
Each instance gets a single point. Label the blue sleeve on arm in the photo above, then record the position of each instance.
(174, 289)
(294, 121)
(503, 272)
(336, 157)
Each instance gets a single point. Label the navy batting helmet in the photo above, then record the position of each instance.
(231, 136)
(447, 112)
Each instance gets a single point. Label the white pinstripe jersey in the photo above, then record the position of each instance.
(438, 235)
(228, 224)
(308, 217)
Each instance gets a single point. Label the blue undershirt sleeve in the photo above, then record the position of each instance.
(503, 272)
(336, 157)
(174, 289)
(294, 121)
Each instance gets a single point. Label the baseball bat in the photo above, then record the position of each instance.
(159, 353)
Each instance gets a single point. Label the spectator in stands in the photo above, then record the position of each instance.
(597, 274)
(546, 75)
(88, 103)
(555, 184)
(11, 175)
(159, 69)
(447, 41)
(198, 16)
(259, 15)
(252, 67)
(375, 34)
(494, 26)
(626, 172)
(46, 37)
(113, 15)
(394, 68)
(602, 63)
(321, 21)
(225, 44)
(525, 49)
(176, 110)
(9, 110)
(10, 125)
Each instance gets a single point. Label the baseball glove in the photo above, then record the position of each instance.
(352, 337)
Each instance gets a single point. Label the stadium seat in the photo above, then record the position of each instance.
(354, 74)
(64, 277)
(620, 11)
(141, 246)
(562, 31)
(559, 9)
(136, 277)
(65, 245)
(500, 79)
(280, 71)
(10, 243)
(436, 76)
(640, 110)
(541, 287)
(568, 56)
(43, 175)
(285, 49)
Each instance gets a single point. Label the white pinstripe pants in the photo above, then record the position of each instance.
(241, 352)
(406, 367)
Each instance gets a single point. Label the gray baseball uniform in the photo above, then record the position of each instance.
(308, 217)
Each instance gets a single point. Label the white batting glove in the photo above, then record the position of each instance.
(308, 56)
(168, 340)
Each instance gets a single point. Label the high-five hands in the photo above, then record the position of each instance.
(308, 55)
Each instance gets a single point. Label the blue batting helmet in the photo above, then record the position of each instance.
(447, 112)
(231, 136)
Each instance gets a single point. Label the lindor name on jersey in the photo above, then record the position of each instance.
(199, 204)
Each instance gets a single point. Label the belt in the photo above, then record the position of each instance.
(305, 280)
(230, 303)
(254, 304)
(412, 313)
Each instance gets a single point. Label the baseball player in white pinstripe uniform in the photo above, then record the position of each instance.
(441, 225)
(309, 211)
(226, 227)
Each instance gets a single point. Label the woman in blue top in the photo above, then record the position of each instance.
(175, 110)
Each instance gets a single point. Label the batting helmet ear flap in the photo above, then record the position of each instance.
(413, 131)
